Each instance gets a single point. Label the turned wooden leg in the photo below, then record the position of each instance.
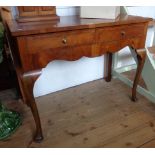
(141, 55)
(28, 80)
(108, 67)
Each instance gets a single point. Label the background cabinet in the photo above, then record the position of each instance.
(36, 13)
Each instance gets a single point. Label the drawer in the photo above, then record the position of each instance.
(134, 30)
(119, 32)
(45, 42)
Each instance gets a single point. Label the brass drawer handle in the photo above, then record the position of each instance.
(64, 41)
(123, 33)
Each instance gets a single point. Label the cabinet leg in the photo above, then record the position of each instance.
(28, 81)
(141, 55)
(108, 67)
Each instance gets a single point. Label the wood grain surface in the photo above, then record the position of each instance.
(95, 114)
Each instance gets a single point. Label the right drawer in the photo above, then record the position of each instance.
(119, 32)
(132, 31)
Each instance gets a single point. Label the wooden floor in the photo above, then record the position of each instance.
(95, 114)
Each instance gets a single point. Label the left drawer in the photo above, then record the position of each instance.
(43, 42)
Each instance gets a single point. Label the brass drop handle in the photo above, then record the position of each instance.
(123, 33)
(64, 40)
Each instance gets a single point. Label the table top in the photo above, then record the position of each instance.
(66, 23)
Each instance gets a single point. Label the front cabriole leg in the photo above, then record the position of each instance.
(28, 79)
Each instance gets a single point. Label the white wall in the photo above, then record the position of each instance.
(145, 11)
(59, 75)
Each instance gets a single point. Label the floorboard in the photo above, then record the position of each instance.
(95, 114)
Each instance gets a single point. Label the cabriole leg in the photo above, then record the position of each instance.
(28, 80)
(141, 55)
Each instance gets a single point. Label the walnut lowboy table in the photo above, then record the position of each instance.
(34, 44)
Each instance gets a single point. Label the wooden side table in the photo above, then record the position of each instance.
(34, 44)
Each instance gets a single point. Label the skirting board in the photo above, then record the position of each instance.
(141, 90)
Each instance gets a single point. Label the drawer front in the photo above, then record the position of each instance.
(119, 32)
(134, 30)
(59, 40)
